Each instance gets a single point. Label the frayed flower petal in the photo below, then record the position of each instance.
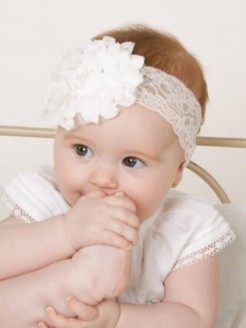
(92, 81)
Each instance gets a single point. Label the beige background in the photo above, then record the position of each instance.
(35, 33)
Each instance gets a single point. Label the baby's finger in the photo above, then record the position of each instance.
(119, 235)
(124, 218)
(120, 200)
(83, 311)
(123, 215)
(112, 239)
(59, 321)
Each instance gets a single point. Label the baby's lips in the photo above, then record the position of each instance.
(120, 193)
(96, 194)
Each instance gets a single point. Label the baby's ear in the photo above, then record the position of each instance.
(179, 175)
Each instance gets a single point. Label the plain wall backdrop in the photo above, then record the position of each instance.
(34, 34)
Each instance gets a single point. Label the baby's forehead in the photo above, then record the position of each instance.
(144, 117)
(134, 125)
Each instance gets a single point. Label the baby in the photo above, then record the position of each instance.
(128, 107)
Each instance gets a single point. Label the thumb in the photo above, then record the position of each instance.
(82, 310)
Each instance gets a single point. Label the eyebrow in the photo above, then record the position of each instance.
(72, 134)
(76, 136)
(146, 154)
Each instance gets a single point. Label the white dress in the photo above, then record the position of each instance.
(185, 231)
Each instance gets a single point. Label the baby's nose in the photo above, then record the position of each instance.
(105, 178)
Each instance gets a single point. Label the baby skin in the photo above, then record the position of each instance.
(95, 271)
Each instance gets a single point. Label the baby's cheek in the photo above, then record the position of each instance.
(147, 208)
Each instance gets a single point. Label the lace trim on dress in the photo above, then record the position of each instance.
(206, 251)
(15, 209)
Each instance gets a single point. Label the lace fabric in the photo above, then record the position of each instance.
(187, 230)
(32, 195)
(136, 295)
(168, 96)
(207, 251)
(15, 209)
(104, 77)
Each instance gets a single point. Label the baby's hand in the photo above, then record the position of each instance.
(104, 315)
(99, 219)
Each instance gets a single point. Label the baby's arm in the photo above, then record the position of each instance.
(191, 300)
(94, 219)
(26, 247)
(105, 272)
(95, 272)
(92, 273)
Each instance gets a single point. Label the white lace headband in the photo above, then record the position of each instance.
(168, 96)
(92, 81)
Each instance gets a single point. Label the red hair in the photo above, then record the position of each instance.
(165, 52)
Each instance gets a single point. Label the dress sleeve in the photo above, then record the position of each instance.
(203, 230)
(32, 196)
(184, 231)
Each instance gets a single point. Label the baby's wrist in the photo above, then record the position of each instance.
(111, 312)
(67, 233)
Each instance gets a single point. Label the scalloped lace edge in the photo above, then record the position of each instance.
(207, 251)
(15, 209)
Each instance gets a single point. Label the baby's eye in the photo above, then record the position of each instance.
(83, 150)
(132, 162)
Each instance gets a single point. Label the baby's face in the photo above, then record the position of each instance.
(136, 153)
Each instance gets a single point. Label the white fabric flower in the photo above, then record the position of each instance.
(91, 81)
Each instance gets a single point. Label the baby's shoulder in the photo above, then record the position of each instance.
(33, 195)
(192, 228)
(190, 215)
(179, 202)
(186, 205)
